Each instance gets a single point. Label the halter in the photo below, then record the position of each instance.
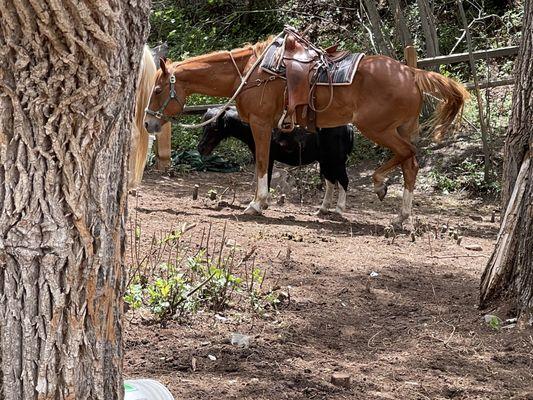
(171, 96)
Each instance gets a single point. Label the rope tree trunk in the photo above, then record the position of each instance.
(68, 72)
(508, 276)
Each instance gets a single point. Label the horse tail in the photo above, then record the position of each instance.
(139, 140)
(452, 94)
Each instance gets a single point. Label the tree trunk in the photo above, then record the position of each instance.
(429, 29)
(401, 25)
(509, 272)
(67, 82)
(375, 23)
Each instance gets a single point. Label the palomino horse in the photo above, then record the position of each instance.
(383, 102)
(139, 135)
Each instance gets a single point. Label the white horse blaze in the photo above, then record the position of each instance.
(341, 201)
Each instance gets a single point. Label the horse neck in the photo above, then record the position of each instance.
(213, 74)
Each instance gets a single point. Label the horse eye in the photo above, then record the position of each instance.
(157, 90)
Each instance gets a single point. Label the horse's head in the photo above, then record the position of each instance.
(213, 133)
(167, 99)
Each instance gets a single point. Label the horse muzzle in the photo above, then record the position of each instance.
(152, 125)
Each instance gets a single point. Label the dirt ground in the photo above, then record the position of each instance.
(413, 331)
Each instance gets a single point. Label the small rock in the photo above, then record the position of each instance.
(342, 380)
(478, 218)
(231, 243)
(493, 216)
(238, 339)
(283, 297)
(195, 192)
(373, 274)
(444, 228)
(490, 317)
(211, 357)
(459, 240)
(193, 364)
(281, 200)
(413, 237)
(455, 235)
(473, 247)
(221, 318)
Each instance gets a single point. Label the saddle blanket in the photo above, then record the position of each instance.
(342, 71)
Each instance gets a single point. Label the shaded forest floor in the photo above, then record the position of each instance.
(412, 331)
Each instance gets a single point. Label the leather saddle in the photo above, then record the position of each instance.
(302, 61)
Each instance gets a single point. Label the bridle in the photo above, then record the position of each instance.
(171, 96)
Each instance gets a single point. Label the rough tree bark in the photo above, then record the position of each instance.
(508, 276)
(429, 29)
(68, 71)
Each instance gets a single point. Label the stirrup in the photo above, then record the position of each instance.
(283, 127)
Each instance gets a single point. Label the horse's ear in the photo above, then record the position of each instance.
(163, 66)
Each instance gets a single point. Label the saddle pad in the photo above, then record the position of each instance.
(342, 71)
(271, 59)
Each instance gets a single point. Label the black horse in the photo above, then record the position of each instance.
(330, 147)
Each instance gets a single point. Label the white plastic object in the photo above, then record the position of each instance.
(145, 389)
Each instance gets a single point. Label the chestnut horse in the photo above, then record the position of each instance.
(383, 102)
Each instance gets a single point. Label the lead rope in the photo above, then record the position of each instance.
(239, 89)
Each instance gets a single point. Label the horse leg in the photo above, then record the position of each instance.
(343, 188)
(262, 133)
(410, 170)
(409, 131)
(402, 150)
(341, 201)
(163, 147)
(328, 197)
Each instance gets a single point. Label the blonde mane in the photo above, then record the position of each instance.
(139, 135)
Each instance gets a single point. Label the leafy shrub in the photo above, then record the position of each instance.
(467, 176)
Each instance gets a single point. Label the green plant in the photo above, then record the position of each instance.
(172, 283)
(468, 175)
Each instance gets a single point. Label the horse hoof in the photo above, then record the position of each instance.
(252, 210)
(264, 206)
(321, 211)
(381, 192)
(339, 210)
